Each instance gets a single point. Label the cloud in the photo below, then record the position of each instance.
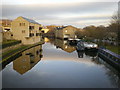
(26, 2)
(62, 13)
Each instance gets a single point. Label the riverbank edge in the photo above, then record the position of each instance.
(17, 52)
(3, 50)
(113, 62)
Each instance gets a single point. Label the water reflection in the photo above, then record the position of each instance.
(63, 44)
(46, 40)
(28, 59)
(59, 65)
(80, 54)
(91, 53)
(113, 74)
(14, 57)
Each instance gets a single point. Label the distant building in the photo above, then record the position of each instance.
(5, 22)
(26, 30)
(45, 29)
(5, 29)
(7, 35)
(65, 32)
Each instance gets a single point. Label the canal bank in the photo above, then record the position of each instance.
(12, 54)
(110, 57)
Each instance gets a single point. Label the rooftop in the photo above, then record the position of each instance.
(30, 20)
(59, 28)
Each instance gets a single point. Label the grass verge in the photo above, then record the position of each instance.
(115, 49)
(5, 56)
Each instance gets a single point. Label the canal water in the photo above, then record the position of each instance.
(56, 64)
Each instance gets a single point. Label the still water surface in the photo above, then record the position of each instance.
(56, 64)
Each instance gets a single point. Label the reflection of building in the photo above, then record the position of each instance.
(46, 39)
(65, 32)
(64, 45)
(28, 59)
(26, 30)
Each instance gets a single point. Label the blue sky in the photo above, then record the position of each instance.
(79, 13)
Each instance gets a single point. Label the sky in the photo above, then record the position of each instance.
(79, 13)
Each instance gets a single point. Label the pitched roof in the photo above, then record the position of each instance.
(30, 20)
(60, 28)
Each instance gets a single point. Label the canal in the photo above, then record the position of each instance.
(56, 64)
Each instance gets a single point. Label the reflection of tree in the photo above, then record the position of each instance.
(112, 73)
(28, 59)
(96, 60)
(114, 78)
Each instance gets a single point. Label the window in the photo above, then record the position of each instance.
(31, 34)
(40, 28)
(37, 34)
(22, 24)
(42, 31)
(23, 31)
(31, 27)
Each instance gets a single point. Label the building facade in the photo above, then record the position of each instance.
(5, 29)
(26, 30)
(7, 35)
(65, 32)
(5, 22)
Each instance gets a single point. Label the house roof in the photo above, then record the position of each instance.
(30, 20)
(60, 28)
